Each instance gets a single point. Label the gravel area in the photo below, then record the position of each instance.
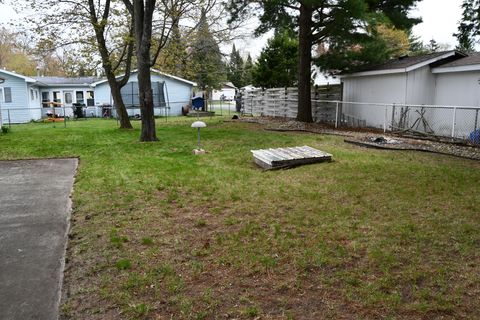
(370, 138)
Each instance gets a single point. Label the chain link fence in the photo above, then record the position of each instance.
(452, 122)
(63, 115)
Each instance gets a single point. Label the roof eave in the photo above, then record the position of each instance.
(474, 67)
(372, 73)
(407, 69)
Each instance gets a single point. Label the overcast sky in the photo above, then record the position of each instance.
(440, 20)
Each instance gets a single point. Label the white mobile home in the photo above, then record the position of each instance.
(446, 78)
(227, 92)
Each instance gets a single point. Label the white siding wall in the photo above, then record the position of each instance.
(228, 92)
(19, 107)
(459, 89)
(375, 89)
(179, 93)
(420, 86)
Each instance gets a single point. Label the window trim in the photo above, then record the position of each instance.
(4, 95)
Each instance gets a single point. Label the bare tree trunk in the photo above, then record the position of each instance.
(304, 64)
(122, 113)
(115, 86)
(146, 104)
(142, 16)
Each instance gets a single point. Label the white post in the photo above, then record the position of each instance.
(453, 121)
(385, 120)
(336, 116)
(274, 105)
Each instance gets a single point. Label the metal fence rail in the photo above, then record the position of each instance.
(457, 122)
(10, 116)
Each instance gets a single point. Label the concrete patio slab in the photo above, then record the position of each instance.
(35, 210)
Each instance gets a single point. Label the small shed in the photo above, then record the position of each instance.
(171, 93)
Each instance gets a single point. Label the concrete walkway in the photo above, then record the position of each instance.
(34, 219)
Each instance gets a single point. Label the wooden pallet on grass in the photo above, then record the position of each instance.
(288, 157)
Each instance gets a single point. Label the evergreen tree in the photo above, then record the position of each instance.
(433, 46)
(248, 71)
(175, 59)
(235, 68)
(277, 64)
(469, 28)
(344, 26)
(207, 58)
(417, 47)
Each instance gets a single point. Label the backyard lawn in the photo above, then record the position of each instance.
(158, 233)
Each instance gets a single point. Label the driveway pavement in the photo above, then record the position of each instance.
(34, 220)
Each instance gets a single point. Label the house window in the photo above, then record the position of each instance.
(56, 97)
(2, 97)
(36, 94)
(79, 96)
(45, 99)
(7, 94)
(32, 95)
(68, 97)
(90, 99)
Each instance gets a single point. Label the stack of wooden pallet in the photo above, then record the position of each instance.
(289, 157)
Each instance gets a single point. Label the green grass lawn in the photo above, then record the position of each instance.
(158, 233)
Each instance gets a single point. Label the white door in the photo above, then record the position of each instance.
(68, 98)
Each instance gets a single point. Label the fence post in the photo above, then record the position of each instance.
(9, 121)
(385, 120)
(393, 118)
(336, 115)
(453, 121)
(274, 106)
(476, 120)
(64, 118)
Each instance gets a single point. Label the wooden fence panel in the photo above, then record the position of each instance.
(282, 102)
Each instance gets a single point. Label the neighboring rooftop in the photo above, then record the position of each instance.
(63, 81)
(407, 63)
(229, 84)
(472, 59)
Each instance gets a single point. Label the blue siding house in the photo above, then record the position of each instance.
(23, 99)
(171, 93)
(16, 102)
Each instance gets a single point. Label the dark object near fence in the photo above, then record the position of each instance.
(185, 110)
(238, 102)
(475, 137)
(106, 111)
(198, 103)
(235, 117)
(78, 110)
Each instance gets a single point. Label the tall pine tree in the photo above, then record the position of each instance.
(235, 68)
(469, 28)
(339, 24)
(277, 64)
(207, 58)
